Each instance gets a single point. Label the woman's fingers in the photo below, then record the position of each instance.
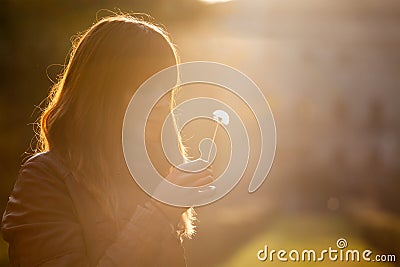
(203, 181)
(190, 178)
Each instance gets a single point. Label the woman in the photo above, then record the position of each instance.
(74, 203)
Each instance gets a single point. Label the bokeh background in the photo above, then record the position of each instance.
(331, 73)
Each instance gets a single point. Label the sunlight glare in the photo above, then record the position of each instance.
(214, 1)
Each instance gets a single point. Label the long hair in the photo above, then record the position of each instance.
(83, 118)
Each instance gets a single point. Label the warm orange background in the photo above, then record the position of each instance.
(330, 71)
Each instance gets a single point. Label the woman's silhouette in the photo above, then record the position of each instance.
(74, 202)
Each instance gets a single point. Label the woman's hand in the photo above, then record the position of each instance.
(187, 179)
(190, 179)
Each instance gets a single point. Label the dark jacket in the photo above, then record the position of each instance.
(51, 220)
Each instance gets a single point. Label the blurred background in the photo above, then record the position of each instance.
(331, 73)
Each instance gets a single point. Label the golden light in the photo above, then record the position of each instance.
(214, 1)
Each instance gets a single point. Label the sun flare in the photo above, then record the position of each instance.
(214, 1)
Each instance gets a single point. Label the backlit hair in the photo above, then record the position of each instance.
(82, 121)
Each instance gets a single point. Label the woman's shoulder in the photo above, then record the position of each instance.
(39, 192)
(45, 165)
